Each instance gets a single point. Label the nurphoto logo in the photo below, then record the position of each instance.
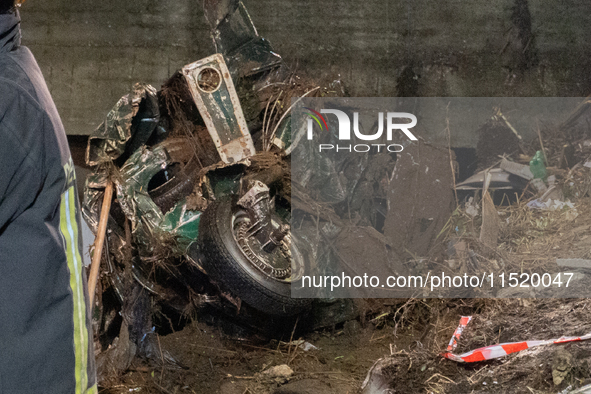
(392, 125)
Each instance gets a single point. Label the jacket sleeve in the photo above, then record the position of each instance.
(21, 156)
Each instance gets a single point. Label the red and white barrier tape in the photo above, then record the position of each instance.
(496, 351)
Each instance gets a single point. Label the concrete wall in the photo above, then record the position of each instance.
(92, 52)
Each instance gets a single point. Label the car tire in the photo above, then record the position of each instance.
(226, 263)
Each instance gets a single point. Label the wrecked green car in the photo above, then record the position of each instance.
(199, 221)
(195, 191)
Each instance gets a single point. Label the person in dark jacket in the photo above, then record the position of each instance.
(45, 332)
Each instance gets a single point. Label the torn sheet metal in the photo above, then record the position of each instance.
(183, 224)
(109, 141)
(581, 390)
(214, 94)
(132, 188)
(521, 170)
(237, 39)
(147, 220)
(94, 192)
(500, 180)
(500, 350)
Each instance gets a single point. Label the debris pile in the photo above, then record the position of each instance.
(199, 217)
(204, 195)
(537, 227)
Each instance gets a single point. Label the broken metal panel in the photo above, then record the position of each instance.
(500, 180)
(215, 96)
(183, 224)
(236, 37)
(147, 220)
(109, 140)
(143, 124)
(132, 191)
(491, 224)
(235, 29)
(253, 58)
(94, 192)
(521, 170)
(127, 126)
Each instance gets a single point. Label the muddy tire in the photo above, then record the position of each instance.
(183, 172)
(171, 192)
(226, 263)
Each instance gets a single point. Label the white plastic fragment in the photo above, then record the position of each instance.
(551, 205)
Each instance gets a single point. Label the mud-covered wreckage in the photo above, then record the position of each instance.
(201, 205)
(203, 197)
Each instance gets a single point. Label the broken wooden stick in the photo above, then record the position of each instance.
(99, 241)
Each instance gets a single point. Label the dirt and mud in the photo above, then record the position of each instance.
(410, 334)
(217, 353)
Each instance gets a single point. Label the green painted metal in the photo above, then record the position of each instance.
(214, 94)
(183, 224)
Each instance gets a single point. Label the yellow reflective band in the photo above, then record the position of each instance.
(69, 230)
